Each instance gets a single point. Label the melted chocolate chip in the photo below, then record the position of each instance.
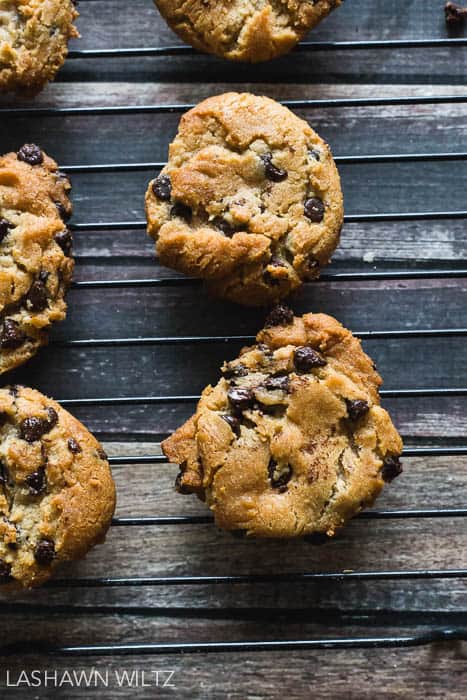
(5, 226)
(30, 153)
(53, 417)
(241, 399)
(44, 553)
(276, 261)
(4, 475)
(180, 486)
(357, 408)
(65, 241)
(233, 422)
(306, 359)
(312, 266)
(43, 276)
(273, 383)
(37, 481)
(234, 371)
(281, 315)
(73, 446)
(182, 210)
(271, 171)
(314, 209)
(392, 467)
(455, 14)
(279, 475)
(62, 211)
(162, 187)
(36, 298)
(314, 153)
(5, 569)
(11, 336)
(102, 454)
(33, 428)
(224, 226)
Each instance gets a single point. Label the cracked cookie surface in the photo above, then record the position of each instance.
(35, 250)
(244, 30)
(292, 440)
(34, 38)
(250, 199)
(57, 496)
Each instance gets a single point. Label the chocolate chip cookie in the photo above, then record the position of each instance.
(35, 252)
(250, 199)
(292, 440)
(34, 38)
(57, 496)
(244, 30)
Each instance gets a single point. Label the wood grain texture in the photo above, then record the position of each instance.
(268, 611)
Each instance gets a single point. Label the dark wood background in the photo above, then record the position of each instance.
(274, 611)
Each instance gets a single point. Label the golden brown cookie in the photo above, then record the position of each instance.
(292, 440)
(57, 496)
(250, 199)
(35, 250)
(244, 30)
(34, 38)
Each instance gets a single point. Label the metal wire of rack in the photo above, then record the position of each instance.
(440, 632)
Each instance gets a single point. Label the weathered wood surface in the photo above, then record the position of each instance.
(266, 611)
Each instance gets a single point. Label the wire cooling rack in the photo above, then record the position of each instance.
(439, 632)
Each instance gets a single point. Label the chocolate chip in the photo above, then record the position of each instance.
(33, 428)
(30, 153)
(306, 359)
(102, 454)
(5, 569)
(357, 408)
(455, 14)
(65, 240)
(181, 210)
(11, 336)
(162, 187)
(37, 481)
(44, 553)
(314, 153)
(234, 371)
(14, 390)
(276, 261)
(36, 298)
(314, 209)
(273, 383)
(43, 276)
(5, 226)
(53, 417)
(271, 171)
(224, 226)
(241, 399)
(4, 474)
(392, 467)
(312, 266)
(265, 349)
(62, 211)
(73, 446)
(279, 474)
(180, 486)
(233, 422)
(281, 315)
